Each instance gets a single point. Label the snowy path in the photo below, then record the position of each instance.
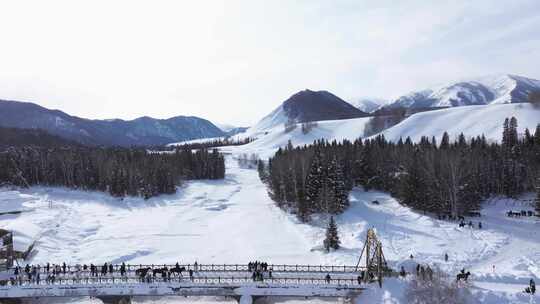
(228, 221)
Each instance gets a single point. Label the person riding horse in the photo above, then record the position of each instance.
(463, 275)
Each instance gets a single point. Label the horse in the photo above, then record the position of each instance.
(159, 270)
(141, 272)
(463, 276)
(178, 270)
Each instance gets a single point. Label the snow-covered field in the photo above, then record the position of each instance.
(234, 221)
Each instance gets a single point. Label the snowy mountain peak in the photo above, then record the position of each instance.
(495, 89)
(368, 104)
(308, 105)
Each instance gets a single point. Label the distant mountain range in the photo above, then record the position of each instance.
(499, 89)
(142, 131)
(304, 106)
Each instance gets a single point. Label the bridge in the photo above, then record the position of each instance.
(117, 284)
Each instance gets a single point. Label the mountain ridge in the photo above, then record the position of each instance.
(494, 89)
(111, 132)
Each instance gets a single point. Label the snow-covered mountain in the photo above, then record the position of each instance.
(141, 131)
(306, 106)
(369, 104)
(499, 89)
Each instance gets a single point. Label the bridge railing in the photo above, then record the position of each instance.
(234, 281)
(70, 269)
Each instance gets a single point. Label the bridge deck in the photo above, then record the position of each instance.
(208, 280)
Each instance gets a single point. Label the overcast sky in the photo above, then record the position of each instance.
(234, 61)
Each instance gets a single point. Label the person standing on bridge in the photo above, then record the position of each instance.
(195, 266)
(328, 278)
(111, 268)
(123, 269)
(64, 268)
(429, 273)
(446, 257)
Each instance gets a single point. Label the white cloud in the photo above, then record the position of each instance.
(233, 61)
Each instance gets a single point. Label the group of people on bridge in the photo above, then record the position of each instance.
(109, 273)
(258, 269)
(49, 274)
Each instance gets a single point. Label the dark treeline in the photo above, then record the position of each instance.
(13, 137)
(118, 171)
(210, 144)
(446, 177)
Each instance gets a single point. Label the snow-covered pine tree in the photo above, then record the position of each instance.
(511, 172)
(261, 169)
(337, 190)
(314, 181)
(537, 136)
(332, 238)
(537, 200)
(289, 184)
(413, 184)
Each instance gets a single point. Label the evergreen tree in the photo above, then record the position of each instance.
(336, 184)
(262, 171)
(314, 182)
(413, 185)
(332, 238)
(537, 200)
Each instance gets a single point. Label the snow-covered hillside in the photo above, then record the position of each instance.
(271, 139)
(498, 89)
(470, 120)
(242, 224)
